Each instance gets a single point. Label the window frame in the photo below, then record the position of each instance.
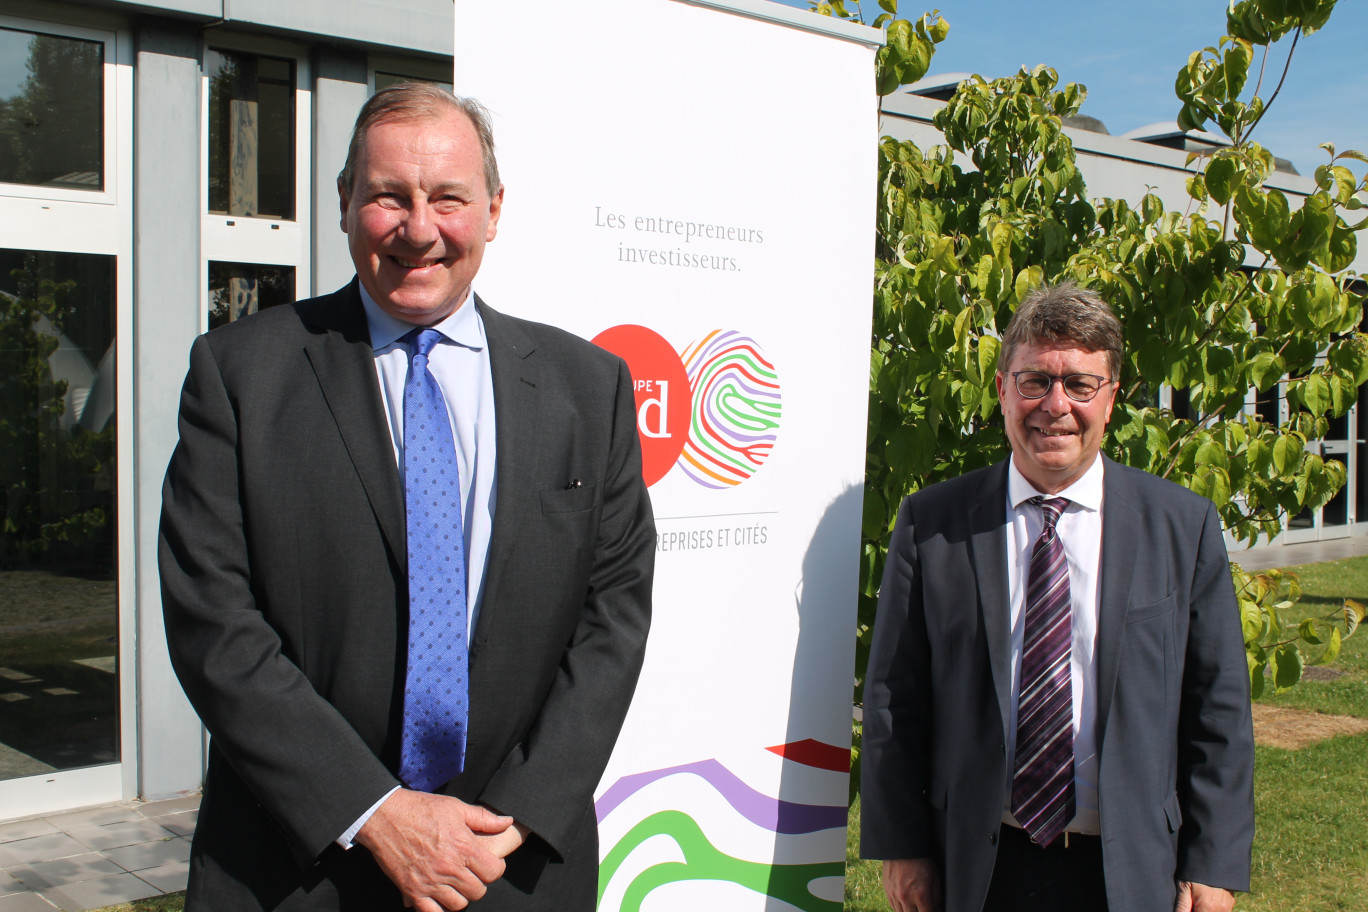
(251, 239)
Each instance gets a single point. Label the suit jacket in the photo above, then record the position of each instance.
(284, 582)
(1175, 736)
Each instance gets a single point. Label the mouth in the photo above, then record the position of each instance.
(414, 265)
(1052, 433)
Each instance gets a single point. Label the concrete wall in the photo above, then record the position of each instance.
(166, 296)
(424, 26)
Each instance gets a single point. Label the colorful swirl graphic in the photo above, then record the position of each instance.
(705, 862)
(736, 409)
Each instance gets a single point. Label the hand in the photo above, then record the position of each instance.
(503, 844)
(912, 885)
(433, 847)
(1195, 897)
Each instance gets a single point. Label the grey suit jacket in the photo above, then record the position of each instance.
(1175, 736)
(284, 575)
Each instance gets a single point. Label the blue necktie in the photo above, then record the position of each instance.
(435, 686)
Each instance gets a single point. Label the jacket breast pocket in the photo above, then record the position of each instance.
(1161, 608)
(569, 500)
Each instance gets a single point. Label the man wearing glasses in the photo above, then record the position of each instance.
(1057, 709)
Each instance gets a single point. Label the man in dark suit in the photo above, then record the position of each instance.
(296, 555)
(1057, 708)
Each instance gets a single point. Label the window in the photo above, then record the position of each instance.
(256, 223)
(251, 134)
(51, 110)
(239, 289)
(58, 545)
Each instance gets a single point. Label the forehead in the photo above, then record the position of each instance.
(446, 134)
(1060, 358)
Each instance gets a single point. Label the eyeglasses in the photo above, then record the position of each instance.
(1078, 387)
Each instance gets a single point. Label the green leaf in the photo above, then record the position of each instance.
(1332, 649)
(1286, 663)
(1287, 451)
(1220, 179)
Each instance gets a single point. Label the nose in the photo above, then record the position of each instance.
(1056, 402)
(418, 227)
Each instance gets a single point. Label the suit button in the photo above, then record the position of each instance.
(992, 838)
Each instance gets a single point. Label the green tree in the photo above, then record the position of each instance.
(1238, 291)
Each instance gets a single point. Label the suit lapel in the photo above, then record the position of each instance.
(517, 420)
(988, 543)
(1119, 549)
(342, 359)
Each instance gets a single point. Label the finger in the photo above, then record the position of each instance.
(487, 866)
(482, 820)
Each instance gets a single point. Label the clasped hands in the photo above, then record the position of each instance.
(439, 851)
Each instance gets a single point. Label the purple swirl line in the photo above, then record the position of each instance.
(774, 814)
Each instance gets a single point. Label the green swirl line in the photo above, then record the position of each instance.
(702, 861)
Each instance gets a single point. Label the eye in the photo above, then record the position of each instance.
(1033, 384)
(1081, 386)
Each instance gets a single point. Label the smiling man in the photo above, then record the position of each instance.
(406, 557)
(1056, 708)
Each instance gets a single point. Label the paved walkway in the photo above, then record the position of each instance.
(1303, 553)
(96, 857)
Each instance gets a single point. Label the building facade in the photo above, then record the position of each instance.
(164, 167)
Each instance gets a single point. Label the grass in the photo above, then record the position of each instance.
(1311, 805)
(171, 902)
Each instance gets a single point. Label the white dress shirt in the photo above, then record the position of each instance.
(1080, 530)
(460, 364)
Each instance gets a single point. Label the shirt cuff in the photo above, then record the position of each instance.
(345, 840)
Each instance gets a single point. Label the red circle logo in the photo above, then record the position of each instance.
(663, 397)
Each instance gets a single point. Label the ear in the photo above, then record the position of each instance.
(997, 381)
(495, 209)
(344, 202)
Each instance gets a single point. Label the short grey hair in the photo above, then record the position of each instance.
(1064, 313)
(408, 101)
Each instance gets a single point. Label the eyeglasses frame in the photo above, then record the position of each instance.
(1062, 379)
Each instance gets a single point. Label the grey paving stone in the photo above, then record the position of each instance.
(169, 878)
(95, 816)
(25, 829)
(65, 871)
(28, 878)
(24, 902)
(95, 894)
(149, 854)
(41, 848)
(11, 887)
(120, 834)
(182, 824)
(169, 806)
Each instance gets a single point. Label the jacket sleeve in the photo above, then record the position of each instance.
(549, 779)
(1215, 728)
(300, 758)
(895, 817)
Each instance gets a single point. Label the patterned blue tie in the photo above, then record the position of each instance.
(435, 689)
(1043, 781)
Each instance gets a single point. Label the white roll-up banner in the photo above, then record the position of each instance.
(692, 186)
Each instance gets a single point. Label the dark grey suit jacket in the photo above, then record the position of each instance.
(1175, 736)
(284, 584)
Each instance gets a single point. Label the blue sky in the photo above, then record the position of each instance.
(1128, 54)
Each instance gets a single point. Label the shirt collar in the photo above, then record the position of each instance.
(463, 326)
(1086, 491)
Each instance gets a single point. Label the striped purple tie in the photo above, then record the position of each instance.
(1043, 781)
